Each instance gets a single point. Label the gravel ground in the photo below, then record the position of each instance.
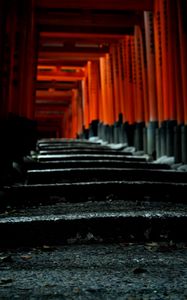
(116, 271)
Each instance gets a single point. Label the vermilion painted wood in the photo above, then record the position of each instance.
(177, 65)
(134, 64)
(93, 77)
(152, 110)
(97, 4)
(11, 30)
(121, 76)
(140, 92)
(74, 113)
(158, 59)
(130, 80)
(122, 58)
(183, 54)
(127, 83)
(110, 90)
(85, 103)
(103, 89)
(115, 71)
(165, 57)
(172, 44)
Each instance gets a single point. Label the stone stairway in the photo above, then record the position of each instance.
(117, 196)
(80, 194)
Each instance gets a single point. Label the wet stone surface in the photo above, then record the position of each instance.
(116, 271)
(102, 207)
(93, 222)
(108, 207)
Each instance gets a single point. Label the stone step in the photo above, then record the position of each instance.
(61, 142)
(121, 271)
(60, 146)
(122, 156)
(33, 194)
(103, 174)
(84, 151)
(60, 164)
(94, 223)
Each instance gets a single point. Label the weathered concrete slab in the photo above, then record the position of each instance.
(83, 151)
(112, 271)
(121, 156)
(46, 142)
(19, 195)
(61, 146)
(107, 222)
(60, 164)
(103, 174)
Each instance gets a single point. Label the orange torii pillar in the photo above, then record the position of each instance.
(124, 85)
(141, 89)
(100, 108)
(115, 69)
(110, 96)
(168, 86)
(85, 101)
(110, 90)
(121, 135)
(125, 79)
(158, 60)
(159, 75)
(182, 25)
(117, 91)
(104, 120)
(122, 73)
(74, 113)
(4, 56)
(165, 53)
(107, 96)
(177, 63)
(67, 122)
(11, 32)
(93, 94)
(175, 84)
(102, 62)
(2, 50)
(27, 58)
(172, 83)
(153, 139)
(99, 94)
(129, 88)
(166, 27)
(8, 21)
(79, 111)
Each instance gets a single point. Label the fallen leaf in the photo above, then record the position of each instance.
(152, 246)
(48, 248)
(26, 257)
(76, 290)
(6, 258)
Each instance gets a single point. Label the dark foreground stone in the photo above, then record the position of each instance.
(23, 194)
(122, 156)
(93, 222)
(60, 164)
(150, 271)
(103, 174)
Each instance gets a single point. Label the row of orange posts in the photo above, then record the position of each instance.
(144, 76)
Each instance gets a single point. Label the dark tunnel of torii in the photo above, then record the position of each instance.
(116, 70)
